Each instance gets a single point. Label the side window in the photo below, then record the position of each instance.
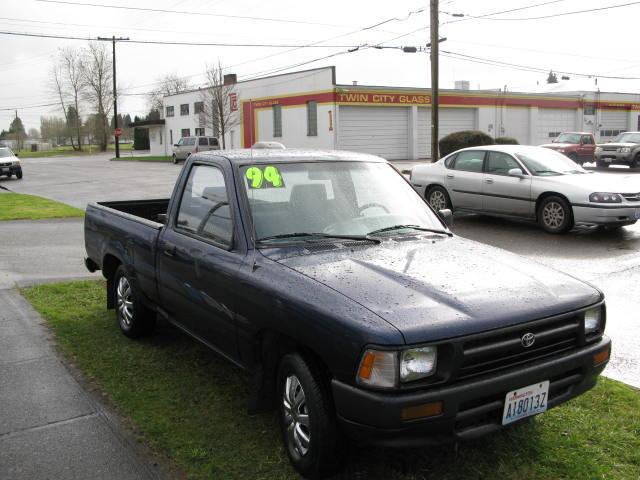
(277, 120)
(180, 142)
(203, 141)
(204, 209)
(499, 163)
(469, 161)
(190, 142)
(586, 139)
(449, 161)
(213, 142)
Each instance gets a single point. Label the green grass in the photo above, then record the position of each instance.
(18, 206)
(67, 150)
(151, 158)
(189, 405)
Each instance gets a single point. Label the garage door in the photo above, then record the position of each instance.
(554, 121)
(451, 120)
(612, 122)
(516, 124)
(382, 131)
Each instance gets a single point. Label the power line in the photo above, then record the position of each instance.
(470, 17)
(184, 12)
(29, 106)
(555, 15)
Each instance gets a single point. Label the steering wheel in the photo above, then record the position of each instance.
(372, 205)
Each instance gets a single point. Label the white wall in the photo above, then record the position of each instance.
(294, 127)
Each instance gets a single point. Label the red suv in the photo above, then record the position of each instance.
(578, 146)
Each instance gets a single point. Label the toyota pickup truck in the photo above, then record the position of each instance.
(358, 315)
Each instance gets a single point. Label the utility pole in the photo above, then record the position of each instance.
(434, 80)
(115, 92)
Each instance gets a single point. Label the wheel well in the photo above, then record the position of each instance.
(431, 185)
(110, 264)
(544, 195)
(269, 348)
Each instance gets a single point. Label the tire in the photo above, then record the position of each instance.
(134, 318)
(175, 159)
(316, 450)
(635, 162)
(555, 215)
(18, 175)
(438, 198)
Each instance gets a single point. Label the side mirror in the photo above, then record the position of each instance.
(515, 172)
(446, 216)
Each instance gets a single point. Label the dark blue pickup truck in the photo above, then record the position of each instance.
(355, 310)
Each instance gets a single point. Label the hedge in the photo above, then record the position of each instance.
(506, 141)
(467, 138)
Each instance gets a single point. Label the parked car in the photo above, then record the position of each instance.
(189, 145)
(622, 150)
(531, 183)
(354, 308)
(9, 163)
(578, 146)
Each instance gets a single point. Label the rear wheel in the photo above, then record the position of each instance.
(438, 198)
(134, 318)
(309, 429)
(555, 215)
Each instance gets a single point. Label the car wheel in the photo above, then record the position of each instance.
(309, 429)
(438, 198)
(175, 159)
(134, 318)
(555, 215)
(18, 175)
(635, 162)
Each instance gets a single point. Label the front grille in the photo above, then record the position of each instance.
(5, 164)
(632, 197)
(609, 149)
(503, 349)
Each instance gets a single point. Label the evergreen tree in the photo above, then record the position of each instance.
(552, 78)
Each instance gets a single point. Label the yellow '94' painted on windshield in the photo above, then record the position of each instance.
(264, 177)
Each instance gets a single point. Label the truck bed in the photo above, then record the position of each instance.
(147, 209)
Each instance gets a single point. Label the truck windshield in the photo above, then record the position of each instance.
(292, 200)
(567, 138)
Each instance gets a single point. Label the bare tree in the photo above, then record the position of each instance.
(218, 105)
(169, 84)
(57, 85)
(97, 77)
(71, 66)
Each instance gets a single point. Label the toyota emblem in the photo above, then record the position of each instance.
(528, 339)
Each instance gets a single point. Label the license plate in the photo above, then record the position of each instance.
(637, 214)
(608, 160)
(525, 401)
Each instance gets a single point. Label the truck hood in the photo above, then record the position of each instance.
(604, 145)
(434, 288)
(557, 146)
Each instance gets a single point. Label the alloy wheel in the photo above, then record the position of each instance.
(124, 302)
(553, 215)
(296, 417)
(437, 200)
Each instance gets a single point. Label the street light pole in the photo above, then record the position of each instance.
(434, 80)
(115, 92)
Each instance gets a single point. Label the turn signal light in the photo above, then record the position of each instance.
(601, 357)
(422, 411)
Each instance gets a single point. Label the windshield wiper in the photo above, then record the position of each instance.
(318, 235)
(414, 227)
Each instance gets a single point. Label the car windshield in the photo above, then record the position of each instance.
(5, 152)
(542, 161)
(627, 138)
(304, 201)
(567, 138)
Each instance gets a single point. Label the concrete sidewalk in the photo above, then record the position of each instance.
(50, 426)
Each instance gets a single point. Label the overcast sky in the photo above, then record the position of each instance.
(601, 43)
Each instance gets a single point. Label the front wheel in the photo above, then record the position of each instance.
(18, 175)
(175, 159)
(555, 215)
(309, 430)
(134, 318)
(438, 198)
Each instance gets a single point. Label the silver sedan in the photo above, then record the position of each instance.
(528, 183)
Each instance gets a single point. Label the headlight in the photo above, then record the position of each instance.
(417, 363)
(624, 149)
(603, 197)
(592, 320)
(561, 150)
(15, 162)
(598, 149)
(378, 369)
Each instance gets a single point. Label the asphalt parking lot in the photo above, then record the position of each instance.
(608, 259)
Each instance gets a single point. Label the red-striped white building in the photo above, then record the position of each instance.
(308, 109)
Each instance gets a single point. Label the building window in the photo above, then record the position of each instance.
(554, 134)
(198, 107)
(184, 109)
(199, 132)
(590, 110)
(312, 118)
(169, 111)
(277, 120)
(611, 133)
(185, 132)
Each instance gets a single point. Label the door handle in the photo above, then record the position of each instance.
(450, 175)
(488, 180)
(170, 251)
